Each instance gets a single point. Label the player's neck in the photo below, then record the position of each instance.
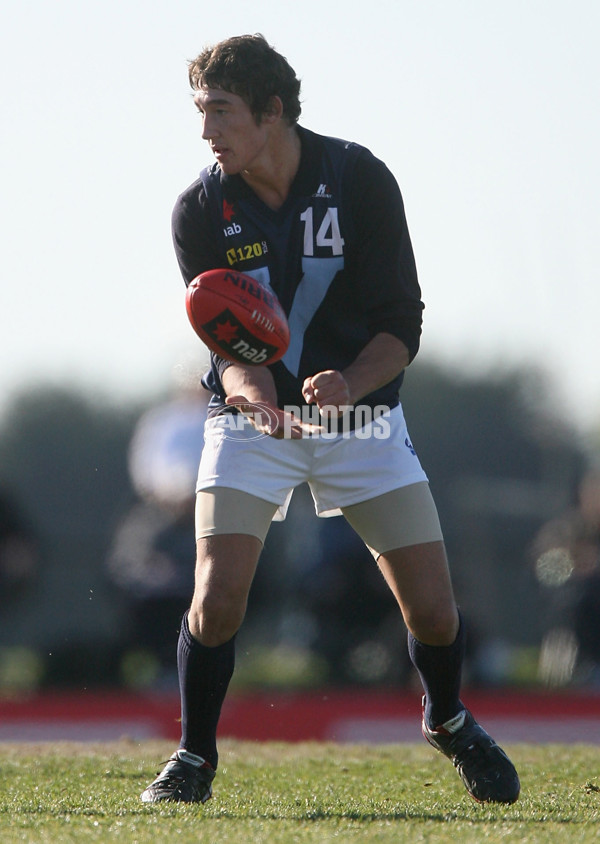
(272, 177)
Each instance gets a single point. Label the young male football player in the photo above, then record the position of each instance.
(322, 222)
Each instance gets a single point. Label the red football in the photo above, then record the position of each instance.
(237, 317)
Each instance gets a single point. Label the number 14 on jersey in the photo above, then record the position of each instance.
(328, 234)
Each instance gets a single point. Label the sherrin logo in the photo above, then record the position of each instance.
(250, 286)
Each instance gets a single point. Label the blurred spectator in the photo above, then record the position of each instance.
(567, 564)
(19, 552)
(153, 551)
(21, 666)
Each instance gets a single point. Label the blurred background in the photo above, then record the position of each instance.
(487, 114)
(97, 544)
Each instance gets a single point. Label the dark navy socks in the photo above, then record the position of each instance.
(204, 675)
(440, 669)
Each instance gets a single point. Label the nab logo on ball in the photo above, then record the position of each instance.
(237, 317)
(235, 342)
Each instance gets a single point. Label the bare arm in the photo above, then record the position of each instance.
(252, 390)
(382, 359)
(255, 383)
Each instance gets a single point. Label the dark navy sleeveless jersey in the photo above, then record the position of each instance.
(337, 254)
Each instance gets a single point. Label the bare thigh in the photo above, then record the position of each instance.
(402, 530)
(231, 527)
(225, 568)
(419, 577)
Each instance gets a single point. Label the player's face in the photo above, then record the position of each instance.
(231, 130)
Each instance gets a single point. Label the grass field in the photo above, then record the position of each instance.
(277, 793)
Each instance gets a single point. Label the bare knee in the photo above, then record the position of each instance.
(433, 625)
(418, 576)
(224, 571)
(215, 616)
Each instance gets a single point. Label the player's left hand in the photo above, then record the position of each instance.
(327, 389)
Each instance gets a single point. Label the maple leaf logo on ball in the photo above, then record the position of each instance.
(225, 331)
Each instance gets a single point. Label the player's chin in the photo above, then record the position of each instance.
(228, 167)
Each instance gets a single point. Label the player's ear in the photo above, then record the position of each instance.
(273, 110)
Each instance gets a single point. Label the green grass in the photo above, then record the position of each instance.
(276, 793)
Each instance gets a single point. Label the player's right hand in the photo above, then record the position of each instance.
(329, 390)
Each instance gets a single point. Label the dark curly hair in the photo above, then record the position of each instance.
(248, 66)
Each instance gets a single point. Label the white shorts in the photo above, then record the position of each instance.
(348, 469)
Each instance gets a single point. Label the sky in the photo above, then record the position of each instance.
(486, 111)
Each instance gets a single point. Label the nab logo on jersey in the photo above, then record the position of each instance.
(234, 228)
(228, 214)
